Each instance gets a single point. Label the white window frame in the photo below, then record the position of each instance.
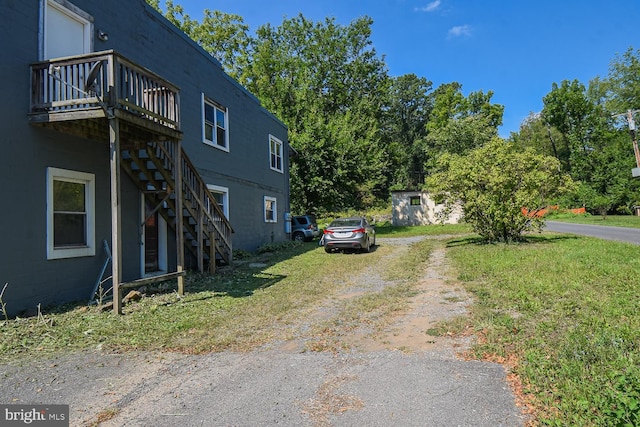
(216, 107)
(88, 179)
(277, 154)
(69, 9)
(275, 209)
(225, 197)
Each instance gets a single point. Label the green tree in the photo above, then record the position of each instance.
(615, 94)
(568, 110)
(458, 123)
(583, 137)
(404, 130)
(609, 185)
(537, 134)
(326, 82)
(493, 183)
(225, 36)
(621, 88)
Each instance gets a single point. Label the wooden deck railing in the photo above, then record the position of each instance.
(102, 81)
(198, 195)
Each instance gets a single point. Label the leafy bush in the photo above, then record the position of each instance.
(494, 183)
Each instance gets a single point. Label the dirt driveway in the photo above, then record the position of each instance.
(402, 376)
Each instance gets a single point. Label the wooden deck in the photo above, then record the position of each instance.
(76, 94)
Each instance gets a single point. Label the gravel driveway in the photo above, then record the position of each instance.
(403, 376)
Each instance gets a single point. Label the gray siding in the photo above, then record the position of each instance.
(142, 35)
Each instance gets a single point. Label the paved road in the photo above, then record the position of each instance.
(267, 388)
(631, 235)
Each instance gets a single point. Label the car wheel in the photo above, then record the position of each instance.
(298, 236)
(367, 249)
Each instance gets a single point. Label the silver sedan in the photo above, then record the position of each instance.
(349, 233)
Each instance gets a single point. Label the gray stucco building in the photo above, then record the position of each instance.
(113, 121)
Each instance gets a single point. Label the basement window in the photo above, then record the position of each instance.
(70, 214)
(221, 194)
(270, 209)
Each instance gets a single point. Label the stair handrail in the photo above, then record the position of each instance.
(212, 210)
(216, 218)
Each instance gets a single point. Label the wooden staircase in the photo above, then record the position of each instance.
(207, 232)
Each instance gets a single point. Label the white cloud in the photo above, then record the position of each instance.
(430, 7)
(460, 30)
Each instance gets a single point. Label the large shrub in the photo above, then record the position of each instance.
(493, 183)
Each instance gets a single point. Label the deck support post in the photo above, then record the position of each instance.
(116, 217)
(201, 228)
(179, 217)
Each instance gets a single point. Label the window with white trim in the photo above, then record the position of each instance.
(215, 124)
(275, 153)
(221, 194)
(66, 30)
(270, 209)
(70, 214)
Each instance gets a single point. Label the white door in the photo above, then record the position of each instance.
(66, 32)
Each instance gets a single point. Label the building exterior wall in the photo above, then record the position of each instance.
(154, 43)
(423, 210)
(142, 35)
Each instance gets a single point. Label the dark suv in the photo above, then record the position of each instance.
(304, 228)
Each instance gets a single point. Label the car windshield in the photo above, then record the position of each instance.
(345, 223)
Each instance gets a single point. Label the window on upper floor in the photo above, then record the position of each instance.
(215, 124)
(270, 209)
(415, 201)
(70, 214)
(275, 153)
(66, 30)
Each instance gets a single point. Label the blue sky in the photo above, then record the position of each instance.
(514, 48)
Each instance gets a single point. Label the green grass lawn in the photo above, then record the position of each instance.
(238, 309)
(569, 308)
(422, 230)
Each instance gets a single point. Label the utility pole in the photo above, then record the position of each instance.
(635, 172)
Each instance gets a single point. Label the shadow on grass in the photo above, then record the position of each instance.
(237, 281)
(237, 286)
(246, 276)
(349, 251)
